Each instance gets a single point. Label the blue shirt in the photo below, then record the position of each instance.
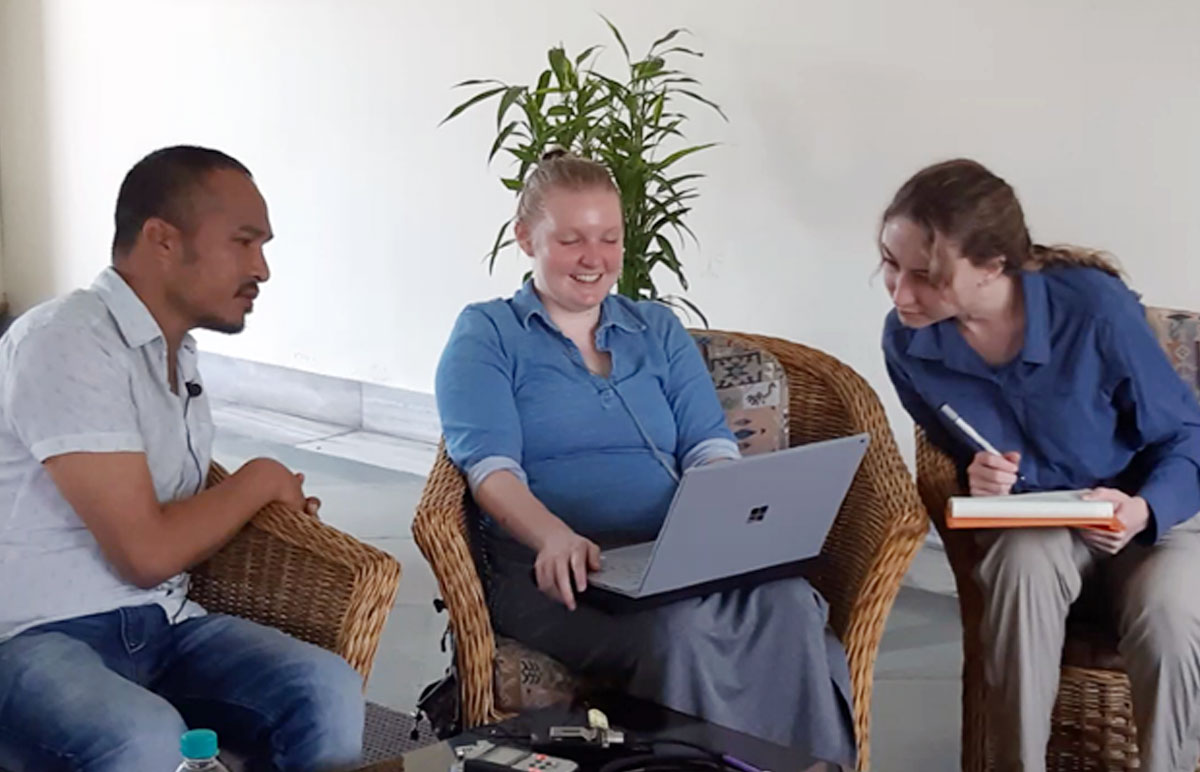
(514, 393)
(1091, 399)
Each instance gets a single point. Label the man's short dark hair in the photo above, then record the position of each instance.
(162, 185)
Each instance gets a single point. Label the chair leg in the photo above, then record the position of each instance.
(975, 736)
(976, 751)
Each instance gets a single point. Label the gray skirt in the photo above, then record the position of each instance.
(761, 660)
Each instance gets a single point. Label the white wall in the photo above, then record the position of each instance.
(1089, 107)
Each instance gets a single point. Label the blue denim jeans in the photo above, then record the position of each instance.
(114, 691)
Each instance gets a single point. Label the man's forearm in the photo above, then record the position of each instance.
(192, 530)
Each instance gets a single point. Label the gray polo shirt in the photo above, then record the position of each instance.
(88, 373)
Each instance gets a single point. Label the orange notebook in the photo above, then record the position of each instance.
(1030, 510)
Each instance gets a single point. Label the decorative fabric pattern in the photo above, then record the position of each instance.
(752, 388)
(526, 679)
(1179, 334)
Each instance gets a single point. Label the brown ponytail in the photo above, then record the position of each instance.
(1060, 255)
(963, 201)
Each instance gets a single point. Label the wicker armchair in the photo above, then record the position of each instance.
(878, 531)
(1092, 724)
(294, 573)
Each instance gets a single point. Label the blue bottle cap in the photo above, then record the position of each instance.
(198, 744)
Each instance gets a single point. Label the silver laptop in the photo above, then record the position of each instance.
(738, 517)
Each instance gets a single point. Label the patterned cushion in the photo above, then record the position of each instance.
(752, 387)
(525, 679)
(1179, 334)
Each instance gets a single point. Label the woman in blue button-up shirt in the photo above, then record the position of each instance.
(1048, 355)
(573, 411)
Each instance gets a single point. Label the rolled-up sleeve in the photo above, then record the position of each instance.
(703, 433)
(1162, 413)
(476, 405)
(68, 392)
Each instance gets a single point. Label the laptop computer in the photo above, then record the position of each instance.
(738, 517)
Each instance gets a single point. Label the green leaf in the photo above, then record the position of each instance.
(617, 34)
(677, 193)
(473, 100)
(477, 82)
(681, 50)
(668, 252)
(658, 207)
(512, 95)
(617, 88)
(561, 66)
(523, 153)
(670, 124)
(499, 244)
(678, 301)
(673, 183)
(671, 216)
(512, 183)
(664, 131)
(708, 102)
(658, 108)
(599, 103)
(667, 37)
(496, 250)
(674, 218)
(533, 117)
(586, 53)
(539, 96)
(503, 135)
(683, 153)
(681, 227)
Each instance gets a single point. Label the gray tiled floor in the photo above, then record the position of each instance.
(916, 704)
(916, 698)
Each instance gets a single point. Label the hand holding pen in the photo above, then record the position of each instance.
(991, 473)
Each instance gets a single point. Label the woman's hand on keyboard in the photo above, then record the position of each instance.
(564, 554)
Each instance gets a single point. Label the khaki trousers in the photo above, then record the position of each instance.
(1030, 578)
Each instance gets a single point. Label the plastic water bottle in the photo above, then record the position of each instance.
(199, 749)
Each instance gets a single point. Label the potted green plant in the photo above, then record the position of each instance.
(632, 125)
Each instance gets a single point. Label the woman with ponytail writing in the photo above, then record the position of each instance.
(1048, 355)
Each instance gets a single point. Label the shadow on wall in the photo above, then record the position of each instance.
(25, 169)
(5, 317)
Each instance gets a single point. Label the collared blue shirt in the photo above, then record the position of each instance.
(1091, 399)
(514, 393)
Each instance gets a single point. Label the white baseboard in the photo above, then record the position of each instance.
(368, 407)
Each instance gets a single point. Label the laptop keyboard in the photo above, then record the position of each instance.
(624, 568)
